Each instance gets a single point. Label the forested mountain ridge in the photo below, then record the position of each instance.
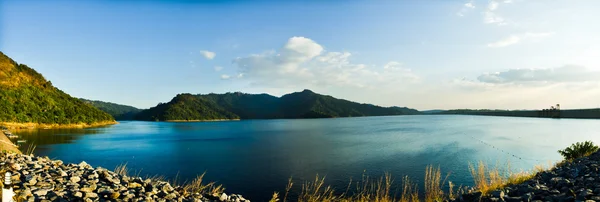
(27, 98)
(117, 111)
(305, 104)
(185, 107)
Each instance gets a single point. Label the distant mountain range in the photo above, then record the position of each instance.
(27, 98)
(305, 104)
(118, 111)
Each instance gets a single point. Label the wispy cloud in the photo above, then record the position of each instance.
(563, 74)
(466, 8)
(514, 39)
(493, 5)
(505, 42)
(302, 62)
(218, 68)
(208, 55)
(491, 17)
(225, 76)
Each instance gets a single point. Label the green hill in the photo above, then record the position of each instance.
(185, 107)
(28, 99)
(117, 111)
(305, 104)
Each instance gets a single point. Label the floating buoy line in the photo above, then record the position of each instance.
(508, 153)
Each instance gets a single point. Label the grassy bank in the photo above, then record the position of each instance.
(12, 125)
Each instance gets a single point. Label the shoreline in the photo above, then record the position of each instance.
(82, 182)
(27, 126)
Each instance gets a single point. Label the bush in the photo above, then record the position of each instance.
(578, 150)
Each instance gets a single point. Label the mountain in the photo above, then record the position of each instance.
(433, 111)
(305, 104)
(185, 107)
(27, 98)
(117, 111)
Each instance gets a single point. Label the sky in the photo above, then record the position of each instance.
(434, 54)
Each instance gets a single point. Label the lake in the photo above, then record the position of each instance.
(257, 157)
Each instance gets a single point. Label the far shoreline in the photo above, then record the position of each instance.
(28, 126)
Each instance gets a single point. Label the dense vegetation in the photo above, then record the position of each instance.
(578, 150)
(27, 97)
(119, 112)
(305, 104)
(185, 107)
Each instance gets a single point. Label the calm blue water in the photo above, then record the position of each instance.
(256, 157)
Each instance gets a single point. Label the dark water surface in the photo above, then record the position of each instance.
(256, 157)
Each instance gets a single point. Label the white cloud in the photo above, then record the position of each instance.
(493, 18)
(218, 68)
(303, 63)
(538, 35)
(208, 55)
(564, 74)
(505, 42)
(514, 39)
(465, 8)
(490, 16)
(470, 5)
(225, 76)
(493, 5)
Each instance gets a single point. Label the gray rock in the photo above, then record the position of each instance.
(91, 195)
(513, 199)
(75, 179)
(41, 192)
(223, 197)
(497, 194)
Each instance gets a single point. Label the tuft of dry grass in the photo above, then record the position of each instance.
(30, 149)
(378, 190)
(275, 197)
(196, 186)
(122, 170)
(433, 184)
(316, 191)
(410, 191)
(487, 179)
(365, 190)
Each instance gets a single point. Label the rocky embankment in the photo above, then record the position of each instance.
(578, 180)
(41, 179)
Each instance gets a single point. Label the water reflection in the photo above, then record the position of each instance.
(40, 137)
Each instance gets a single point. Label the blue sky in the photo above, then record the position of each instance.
(505, 54)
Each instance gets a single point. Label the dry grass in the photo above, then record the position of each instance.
(18, 126)
(196, 186)
(365, 190)
(317, 191)
(30, 149)
(487, 179)
(433, 184)
(122, 170)
(275, 197)
(410, 191)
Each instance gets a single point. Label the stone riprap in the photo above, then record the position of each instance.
(577, 180)
(41, 179)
